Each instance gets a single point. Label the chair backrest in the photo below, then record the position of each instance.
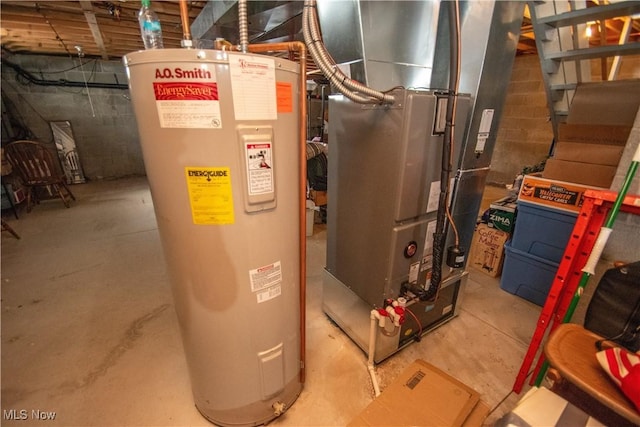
(34, 162)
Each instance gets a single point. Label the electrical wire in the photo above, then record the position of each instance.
(416, 319)
(93, 111)
(94, 60)
(46, 20)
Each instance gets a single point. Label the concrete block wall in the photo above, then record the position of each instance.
(525, 137)
(103, 122)
(525, 133)
(107, 138)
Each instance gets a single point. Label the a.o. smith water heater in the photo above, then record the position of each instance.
(219, 135)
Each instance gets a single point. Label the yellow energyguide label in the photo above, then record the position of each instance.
(210, 195)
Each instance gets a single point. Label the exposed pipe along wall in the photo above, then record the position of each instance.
(229, 245)
(63, 83)
(302, 183)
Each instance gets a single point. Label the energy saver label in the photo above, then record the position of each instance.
(188, 104)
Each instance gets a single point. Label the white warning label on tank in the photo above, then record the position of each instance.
(269, 294)
(188, 104)
(265, 276)
(253, 81)
(259, 168)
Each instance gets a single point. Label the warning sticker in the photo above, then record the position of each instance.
(263, 277)
(210, 195)
(414, 269)
(259, 168)
(188, 104)
(284, 94)
(270, 293)
(434, 195)
(428, 238)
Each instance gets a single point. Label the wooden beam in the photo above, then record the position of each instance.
(90, 16)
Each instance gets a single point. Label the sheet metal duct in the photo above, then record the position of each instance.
(382, 43)
(269, 21)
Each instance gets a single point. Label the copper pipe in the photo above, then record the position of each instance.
(222, 44)
(184, 18)
(302, 101)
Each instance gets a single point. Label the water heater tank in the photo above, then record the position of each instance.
(219, 135)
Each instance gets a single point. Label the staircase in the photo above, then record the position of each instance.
(566, 48)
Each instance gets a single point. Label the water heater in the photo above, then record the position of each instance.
(219, 135)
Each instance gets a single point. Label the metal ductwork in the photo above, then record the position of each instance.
(385, 162)
(268, 21)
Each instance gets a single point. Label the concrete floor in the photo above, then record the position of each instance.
(89, 331)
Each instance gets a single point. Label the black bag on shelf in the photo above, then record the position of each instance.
(614, 310)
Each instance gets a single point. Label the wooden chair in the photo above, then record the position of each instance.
(571, 352)
(39, 169)
(7, 227)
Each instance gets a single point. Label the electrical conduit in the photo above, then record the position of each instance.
(244, 26)
(345, 85)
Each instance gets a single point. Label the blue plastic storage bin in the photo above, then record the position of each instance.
(542, 231)
(526, 275)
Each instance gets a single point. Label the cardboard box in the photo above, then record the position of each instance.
(502, 214)
(423, 395)
(598, 144)
(588, 153)
(557, 194)
(580, 173)
(487, 249)
(477, 416)
(594, 134)
(613, 102)
(591, 142)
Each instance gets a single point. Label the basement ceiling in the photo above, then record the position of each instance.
(109, 30)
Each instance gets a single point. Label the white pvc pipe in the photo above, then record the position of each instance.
(596, 252)
(372, 348)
